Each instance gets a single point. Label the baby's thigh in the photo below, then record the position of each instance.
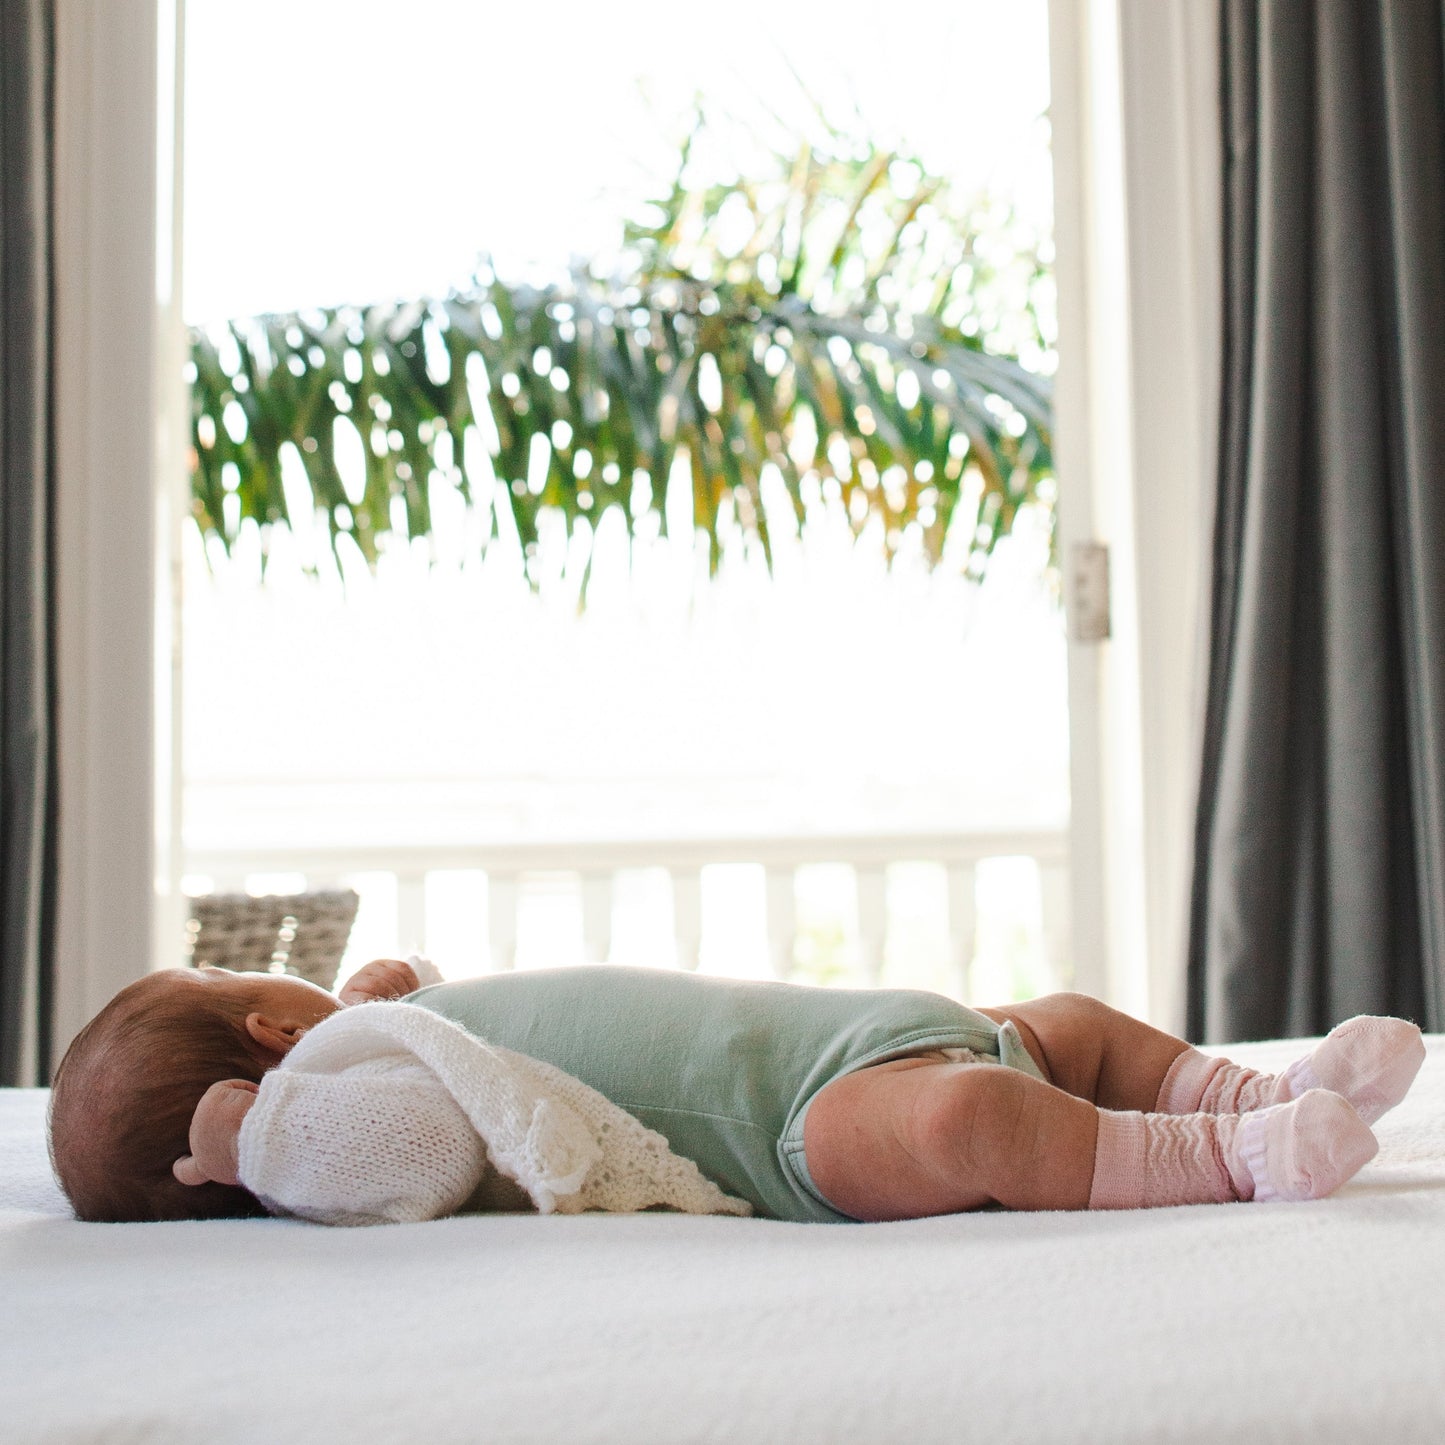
(870, 1139)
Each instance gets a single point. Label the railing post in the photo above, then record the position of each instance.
(872, 922)
(963, 921)
(1054, 902)
(687, 915)
(781, 907)
(597, 917)
(502, 898)
(411, 912)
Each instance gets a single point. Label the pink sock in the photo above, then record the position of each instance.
(1304, 1149)
(1370, 1061)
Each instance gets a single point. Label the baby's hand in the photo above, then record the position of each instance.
(385, 978)
(215, 1133)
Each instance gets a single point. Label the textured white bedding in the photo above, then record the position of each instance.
(1310, 1322)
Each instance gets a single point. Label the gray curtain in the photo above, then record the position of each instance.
(1319, 885)
(27, 729)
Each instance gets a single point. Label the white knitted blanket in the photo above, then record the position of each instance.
(386, 1112)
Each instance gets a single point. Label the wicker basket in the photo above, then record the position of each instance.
(299, 933)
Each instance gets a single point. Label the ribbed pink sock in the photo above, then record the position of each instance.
(1301, 1150)
(1370, 1061)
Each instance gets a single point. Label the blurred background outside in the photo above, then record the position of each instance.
(438, 702)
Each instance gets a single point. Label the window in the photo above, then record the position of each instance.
(795, 773)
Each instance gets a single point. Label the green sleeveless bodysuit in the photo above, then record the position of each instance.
(723, 1069)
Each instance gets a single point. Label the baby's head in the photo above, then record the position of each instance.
(120, 1111)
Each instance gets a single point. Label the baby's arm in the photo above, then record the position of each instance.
(367, 1145)
(339, 1149)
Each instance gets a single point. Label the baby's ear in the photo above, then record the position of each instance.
(276, 1036)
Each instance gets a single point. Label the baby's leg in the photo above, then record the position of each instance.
(914, 1138)
(1118, 1062)
(1093, 1051)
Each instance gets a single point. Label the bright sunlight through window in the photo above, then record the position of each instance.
(640, 735)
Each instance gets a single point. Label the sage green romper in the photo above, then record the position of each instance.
(723, 1069)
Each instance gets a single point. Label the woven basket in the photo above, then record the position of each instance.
(299, 933)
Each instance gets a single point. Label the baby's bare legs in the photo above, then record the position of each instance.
(921, 1136)
(1092, 1051)
(917, 1136)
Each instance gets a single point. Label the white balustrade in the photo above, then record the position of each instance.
(963, 921)
(595, 866)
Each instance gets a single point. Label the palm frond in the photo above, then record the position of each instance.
(796, 352)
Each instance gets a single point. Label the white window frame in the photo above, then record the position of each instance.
(120, 424)
(1137, 202)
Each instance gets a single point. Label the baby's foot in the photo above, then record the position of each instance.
(1304, 1149)
(1301, 1150)
(1371, 1062)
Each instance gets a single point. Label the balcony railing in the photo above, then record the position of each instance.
(591, 869)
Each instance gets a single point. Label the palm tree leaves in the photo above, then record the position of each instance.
(803, 340)
(305, 383)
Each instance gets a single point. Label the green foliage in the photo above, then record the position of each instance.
(836, 331)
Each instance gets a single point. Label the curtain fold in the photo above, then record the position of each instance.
(1319, 882)
(27, 726)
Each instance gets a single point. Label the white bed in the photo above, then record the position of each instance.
(1318, 1322)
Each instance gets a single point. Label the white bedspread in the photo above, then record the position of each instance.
(1311, 1322)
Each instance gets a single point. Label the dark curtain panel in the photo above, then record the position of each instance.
(1319, 885)
(27, 729)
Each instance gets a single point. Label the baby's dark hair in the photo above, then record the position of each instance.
(120, 1110)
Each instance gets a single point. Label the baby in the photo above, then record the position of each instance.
(806, 1103)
